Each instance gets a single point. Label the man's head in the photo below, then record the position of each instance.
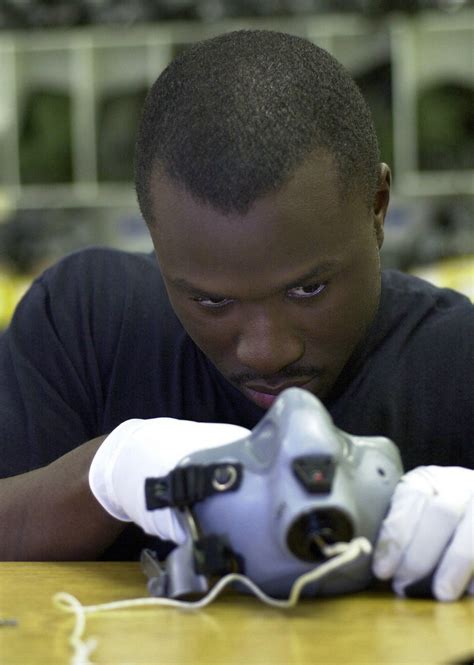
(232, 117)
(257, 173)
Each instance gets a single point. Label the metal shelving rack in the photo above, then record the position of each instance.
(425, 51)
(83, 63)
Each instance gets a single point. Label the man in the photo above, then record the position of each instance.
(258, 174)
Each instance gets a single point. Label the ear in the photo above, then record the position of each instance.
(381, 200)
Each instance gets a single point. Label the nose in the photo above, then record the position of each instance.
(268, 342)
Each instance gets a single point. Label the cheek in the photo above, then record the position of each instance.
(212, 334)
(340, 321)
(213, 337)
(339, 326)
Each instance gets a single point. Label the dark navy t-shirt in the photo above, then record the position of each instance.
(95, 342)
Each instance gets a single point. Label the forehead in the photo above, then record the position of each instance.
(284, 234)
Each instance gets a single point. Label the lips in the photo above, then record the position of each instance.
(265, 394)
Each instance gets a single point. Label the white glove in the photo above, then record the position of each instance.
(138, 449)
(430, 527)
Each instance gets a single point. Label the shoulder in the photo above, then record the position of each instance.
(397, 284)
(97, 298)
(433, 369)
(417, 373)
(94, 263)
(98, 280)
(424, 333)
(422, 313)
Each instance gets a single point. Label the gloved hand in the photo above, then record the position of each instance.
(430, 527)
(138, 449)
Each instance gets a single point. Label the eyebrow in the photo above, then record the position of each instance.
(314, 273)
(184, 285)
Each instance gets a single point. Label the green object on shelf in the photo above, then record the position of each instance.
(445, 127)
(118, 118)
(45, 138)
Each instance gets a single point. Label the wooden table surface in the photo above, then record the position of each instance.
(373, 628)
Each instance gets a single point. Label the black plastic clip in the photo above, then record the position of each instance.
(213, 557)
(185, 485)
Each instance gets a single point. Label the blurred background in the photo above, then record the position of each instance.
(74, 74)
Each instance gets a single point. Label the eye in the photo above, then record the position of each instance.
(309, 291)
(212, 303)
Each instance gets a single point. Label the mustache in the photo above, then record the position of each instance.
(285, 374)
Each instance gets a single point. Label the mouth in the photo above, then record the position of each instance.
(263, 395)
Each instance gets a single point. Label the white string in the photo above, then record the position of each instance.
(341, 553)
(81, 649)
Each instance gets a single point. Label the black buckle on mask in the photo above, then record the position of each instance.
(214, 557)
(185, 485)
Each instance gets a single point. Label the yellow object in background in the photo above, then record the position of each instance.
(12, 288)
(455, 273)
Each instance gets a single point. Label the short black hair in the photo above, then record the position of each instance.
(232, 117)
